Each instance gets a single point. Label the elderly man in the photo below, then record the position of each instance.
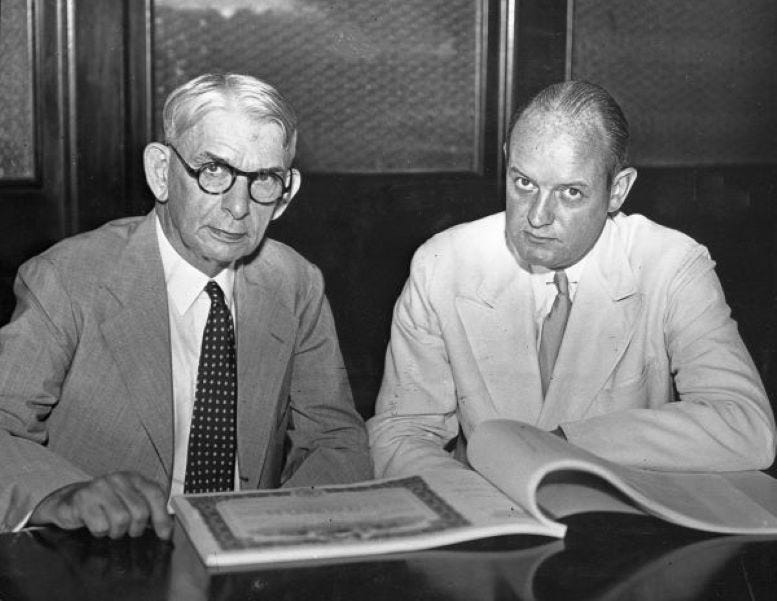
(564, 313)
(181, 351)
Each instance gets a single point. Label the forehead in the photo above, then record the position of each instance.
(554, 141)
(230, 133)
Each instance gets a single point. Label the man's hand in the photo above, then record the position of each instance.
(115, 504)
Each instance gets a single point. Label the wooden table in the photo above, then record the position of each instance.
(603, 556)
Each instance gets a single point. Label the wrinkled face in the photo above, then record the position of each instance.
(557, 193)
(212, 231)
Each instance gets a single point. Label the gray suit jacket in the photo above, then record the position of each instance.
(85, 371)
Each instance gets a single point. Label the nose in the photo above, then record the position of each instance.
(541, 210)
(237, 201)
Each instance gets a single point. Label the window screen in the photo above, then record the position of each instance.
(697, 80)
(379, 86)
(17, 149)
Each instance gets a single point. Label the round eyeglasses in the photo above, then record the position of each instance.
(265, 187)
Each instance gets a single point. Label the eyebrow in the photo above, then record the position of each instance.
(514, 171)
(208, 157)
(580, 184)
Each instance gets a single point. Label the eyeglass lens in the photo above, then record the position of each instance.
(217, 178)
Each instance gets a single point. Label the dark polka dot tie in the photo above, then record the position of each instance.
(210, 460)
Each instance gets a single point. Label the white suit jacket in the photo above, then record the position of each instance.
(652, 371)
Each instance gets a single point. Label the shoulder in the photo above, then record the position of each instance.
(288, 261)
(292, 277)
(466, 244)
(658, 254)
(468, 234)
(457, 261)
(90, 255)
(647, 241)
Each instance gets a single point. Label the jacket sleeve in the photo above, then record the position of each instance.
(36, 348)
(328, 440)
(415, 413)
(721, 418)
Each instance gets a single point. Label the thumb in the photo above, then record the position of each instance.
(58, 509)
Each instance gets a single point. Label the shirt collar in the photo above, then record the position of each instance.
(184, 281)
(542, 279)
(573, 271)
(542, 275)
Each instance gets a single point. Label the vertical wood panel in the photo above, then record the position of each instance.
(540, 46)
(100, 110)
(140, 105)
(32, 214)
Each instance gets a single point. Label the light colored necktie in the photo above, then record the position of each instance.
(553, 329)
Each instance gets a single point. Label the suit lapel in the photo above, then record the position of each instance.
(137, 333)
(264, 340)
(603, 318)
(501, 333)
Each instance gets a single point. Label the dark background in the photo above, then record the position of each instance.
(698, 83)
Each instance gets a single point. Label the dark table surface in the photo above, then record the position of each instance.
(604, 556)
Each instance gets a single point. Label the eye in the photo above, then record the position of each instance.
(214, 169)
(573, 193)
(524, 183)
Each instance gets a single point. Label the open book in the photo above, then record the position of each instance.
(524, 479)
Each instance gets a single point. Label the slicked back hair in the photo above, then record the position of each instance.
(583, 100)
(190, 102)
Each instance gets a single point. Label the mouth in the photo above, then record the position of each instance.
(535, 239)
(226, 235)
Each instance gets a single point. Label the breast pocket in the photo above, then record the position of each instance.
(626, 391)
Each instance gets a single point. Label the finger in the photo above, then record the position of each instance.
(157, 503)
(72, 507)
(96, 521)
(96, 506)
(125, 485)
(57, 509)
(66, 516)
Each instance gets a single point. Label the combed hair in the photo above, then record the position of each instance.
(189, 103)
(581, 99)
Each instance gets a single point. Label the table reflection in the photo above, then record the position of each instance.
(46, 564)
(603, 557)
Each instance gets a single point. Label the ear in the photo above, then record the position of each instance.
(156, 162)
(619, 190)
(283, 203)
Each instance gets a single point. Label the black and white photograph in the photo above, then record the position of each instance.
(388, 299)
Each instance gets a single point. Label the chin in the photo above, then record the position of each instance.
(532, 257)
(230, 251)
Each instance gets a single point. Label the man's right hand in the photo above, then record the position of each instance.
(112, 505)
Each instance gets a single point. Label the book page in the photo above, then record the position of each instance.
(548, 475)
(706, 501)
(484, 505)
(514, 457)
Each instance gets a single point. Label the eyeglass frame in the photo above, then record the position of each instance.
(251, 176)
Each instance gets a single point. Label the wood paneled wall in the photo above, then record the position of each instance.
(93, 119)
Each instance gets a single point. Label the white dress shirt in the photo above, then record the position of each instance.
(188, 306)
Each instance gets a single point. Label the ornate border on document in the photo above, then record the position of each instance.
(446, 517)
